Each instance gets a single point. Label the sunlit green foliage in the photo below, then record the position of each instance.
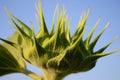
(55, 52)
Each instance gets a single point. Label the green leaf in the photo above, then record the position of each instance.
(24, 26)
(93, 43)
(15, 38)
(14, 49)
(53, 39)
(105, 47)
(8, 62)
(81, 24)
(87, 40)
(68, 37)
(16, 20)
(43, 28)
(40, 50)
(83, 51)
(9, 42)
(76, 43)
(53, 20)
(89, 62)
(25, 33)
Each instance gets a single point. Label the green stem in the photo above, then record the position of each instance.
(50, 75)
(32, 75)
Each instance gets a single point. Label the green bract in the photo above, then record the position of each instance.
(57, 53)
(9, 63)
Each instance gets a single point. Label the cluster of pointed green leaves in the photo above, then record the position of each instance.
(56, 50)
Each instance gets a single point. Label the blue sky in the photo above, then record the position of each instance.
(107, 68)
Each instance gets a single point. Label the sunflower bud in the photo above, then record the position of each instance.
(57, 51)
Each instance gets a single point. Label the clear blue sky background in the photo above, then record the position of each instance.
(107, 68)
